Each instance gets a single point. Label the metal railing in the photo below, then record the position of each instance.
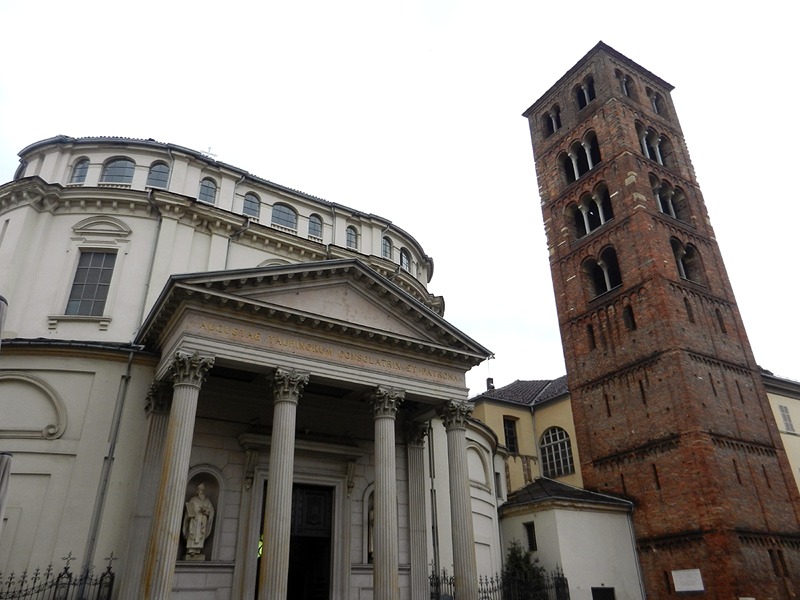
(551, 586)
(66, 584)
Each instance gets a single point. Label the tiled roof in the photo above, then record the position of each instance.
(545, 490)
(527, 393)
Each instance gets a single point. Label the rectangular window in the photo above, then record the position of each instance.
(510, 430)
(90, 286)
(787, 418)
(530, 533)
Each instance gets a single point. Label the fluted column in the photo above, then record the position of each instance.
(455, 414)
(415, 440)
(157, 408)
(274, 574)
(386, 585)
(188, 372)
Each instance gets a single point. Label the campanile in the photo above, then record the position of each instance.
(669, 406)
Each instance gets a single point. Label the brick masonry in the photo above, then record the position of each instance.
(669, 407)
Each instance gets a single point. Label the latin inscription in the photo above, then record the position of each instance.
(298, 345)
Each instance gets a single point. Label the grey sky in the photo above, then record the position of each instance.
(411, 110)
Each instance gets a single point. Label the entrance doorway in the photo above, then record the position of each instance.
(310, 544)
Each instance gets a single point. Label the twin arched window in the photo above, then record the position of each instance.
(118, 170)
(551, 121)
(687, 260)
(669, 200)
(655, 146)
(656, 101)
(584, 92)
(626, 84)
(581, 157)
(208, 191)
(158, 175)
(556, 453)
(592, 211)
(602, 273)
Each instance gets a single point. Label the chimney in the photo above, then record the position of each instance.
(489, 383)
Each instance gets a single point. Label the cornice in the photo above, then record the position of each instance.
(218, 291)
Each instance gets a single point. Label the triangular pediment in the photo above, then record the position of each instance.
(345, 297)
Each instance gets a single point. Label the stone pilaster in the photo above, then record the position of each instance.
(415, 441)
(157, 407)
(273, 576)
(188, 372)
(385, 402)
(455, 415)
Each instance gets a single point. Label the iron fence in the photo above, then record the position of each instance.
(551, 586)
(66, 584)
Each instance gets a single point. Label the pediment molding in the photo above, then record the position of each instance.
(264, 295)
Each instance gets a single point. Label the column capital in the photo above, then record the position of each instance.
(159, 398)
(455, 413)
(190, 369)
(386, 401)
(288, 384)
(415, 433)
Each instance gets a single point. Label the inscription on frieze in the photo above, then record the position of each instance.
(299, 345)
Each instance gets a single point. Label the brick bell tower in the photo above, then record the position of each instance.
(670, 410)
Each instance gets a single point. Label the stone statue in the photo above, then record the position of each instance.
(197, 523)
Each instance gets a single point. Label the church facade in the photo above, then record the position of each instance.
(241, 390)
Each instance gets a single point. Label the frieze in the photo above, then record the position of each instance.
(303, 346)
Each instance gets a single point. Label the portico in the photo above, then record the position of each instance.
(294, 388)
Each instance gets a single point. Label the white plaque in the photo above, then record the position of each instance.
(688, 580)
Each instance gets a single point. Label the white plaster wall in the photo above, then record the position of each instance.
(594, 548)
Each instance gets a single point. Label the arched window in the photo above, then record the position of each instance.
(386, 248)
(315, 227)
(593, 211)
(687, 260)
(252, 205)
(551, 121)
(79, 171)
(582, 157)
(284, 217)
(602, 274)
(556, 453)
(656, 101)
(626, 84)
(655, 146)
(118, 170)
(158, 175)
(584, 93)
(405, 260)
(670, 201)
(208, 191)
(351, 237)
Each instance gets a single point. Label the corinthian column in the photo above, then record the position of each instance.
(415, 440)
(385, 402)
(455, 414)
(273, 577)
(188, 372)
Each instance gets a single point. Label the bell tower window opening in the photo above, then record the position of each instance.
(603, 274)
(593, 211)
(687, 261)
(584, 93)
(551, 121)
(582, 157)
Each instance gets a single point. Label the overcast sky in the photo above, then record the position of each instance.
(411, 110)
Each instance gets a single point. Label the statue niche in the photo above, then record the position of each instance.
(198, 521)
